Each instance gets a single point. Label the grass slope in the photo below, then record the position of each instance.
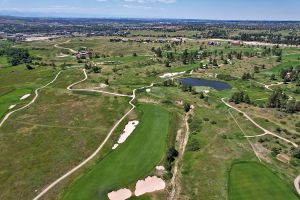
(251, 180)
(132, 160)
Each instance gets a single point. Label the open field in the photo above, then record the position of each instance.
(132, 160)
(251, 180)
(62, 128)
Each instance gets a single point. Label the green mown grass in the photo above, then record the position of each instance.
(251, 180)
(11, 98)
(132, 160)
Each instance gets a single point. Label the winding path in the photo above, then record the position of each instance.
(69, 49)
(31, 102)
(70, 88)
(267, 132)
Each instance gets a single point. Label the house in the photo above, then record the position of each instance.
(84, 53)
(177, 40)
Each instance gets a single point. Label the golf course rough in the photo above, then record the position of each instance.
(251, 180)
(132, 160)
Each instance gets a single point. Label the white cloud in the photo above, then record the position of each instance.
(136, 6)
(152, 1)
(144, 1)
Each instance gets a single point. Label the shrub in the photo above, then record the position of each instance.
(193, 145)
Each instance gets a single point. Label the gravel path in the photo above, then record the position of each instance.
(69, 49)
(257, 125)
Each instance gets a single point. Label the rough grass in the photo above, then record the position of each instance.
(132, 160)
(204, 171)
(251, 180)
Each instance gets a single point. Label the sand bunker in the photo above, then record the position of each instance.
(150, 184)
(61, 55)
(11, 107)
(121, 194)
(168, 75)
(25, 96)
(160, 168)
(129, 128)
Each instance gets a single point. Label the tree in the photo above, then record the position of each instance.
(246, 76)
(240, 97)
(256, 69)
(201, 96)
(29, 67)
(277, 100)
(296, 153)
(96, 69)
(215, 63)
(18, 56)
(187, 107)
(279, 59)
(273, 77)
(167, 63)
(134, 54)
(172, 154)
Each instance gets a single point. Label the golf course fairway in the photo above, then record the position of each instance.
(132, 160)
(251, 180)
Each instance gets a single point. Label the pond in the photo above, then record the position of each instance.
(217, 85)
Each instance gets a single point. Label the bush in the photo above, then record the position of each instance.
(172, 154)
(187, 107)
(206, 119)
(193, 145)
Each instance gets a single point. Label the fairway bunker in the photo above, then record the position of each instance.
(121, 194)
(25, 96)
(128, 130)
(11, 107)
(150, 184)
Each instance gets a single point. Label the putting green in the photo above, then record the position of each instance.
(253, 181)
(132, 160)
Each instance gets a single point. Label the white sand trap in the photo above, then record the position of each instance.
(121, 194)
(168, 75)
(11, 107)
(148, 90)
(150, 184)
(61, 55)
(115, 146)
(160, 168)
(129, 128)
(25, 96)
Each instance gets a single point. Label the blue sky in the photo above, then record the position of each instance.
(190, 9)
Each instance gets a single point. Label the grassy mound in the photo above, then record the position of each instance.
(130, 161)
(251, 180)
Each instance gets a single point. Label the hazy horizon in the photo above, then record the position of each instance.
(263, 10)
